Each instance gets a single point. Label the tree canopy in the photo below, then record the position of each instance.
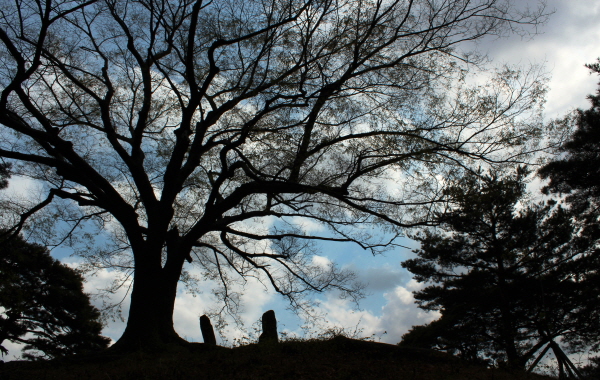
(576, 173)
(181, 126)
(43, 303)
(509, 276)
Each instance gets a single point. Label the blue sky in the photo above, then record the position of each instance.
(564, 45)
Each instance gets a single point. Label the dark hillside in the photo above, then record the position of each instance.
(337, 358)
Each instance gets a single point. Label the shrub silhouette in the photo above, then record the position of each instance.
(44, 304)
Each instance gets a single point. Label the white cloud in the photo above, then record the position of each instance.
(394, 318)
(566, 43)
(321, 261)
(306, 225)
(188, 309)
(414, 285)
(403, 295)
(398, 313)
(255, 297)
(401, 313)
(94, 285)
(19, 185)
(340, 313)
(14, 351)
(381, 278)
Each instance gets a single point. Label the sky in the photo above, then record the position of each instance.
(564, 44)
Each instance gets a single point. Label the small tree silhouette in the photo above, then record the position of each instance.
(44, 304)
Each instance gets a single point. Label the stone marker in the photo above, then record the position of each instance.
(208, 334)
(269, 328)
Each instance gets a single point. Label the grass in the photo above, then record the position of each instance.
(335, 358)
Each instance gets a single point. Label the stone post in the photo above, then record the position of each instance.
(208, 334)
(269, 328)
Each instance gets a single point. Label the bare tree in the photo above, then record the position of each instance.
(179, 124)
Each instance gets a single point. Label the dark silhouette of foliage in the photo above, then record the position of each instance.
(592, 370)
(454, 332)
(577, 172)
(180, 124)
(507, 275)
(4, 174)
(43, 303)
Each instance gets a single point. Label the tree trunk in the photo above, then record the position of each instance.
(150, 322)
(512, 356)
(507, 324)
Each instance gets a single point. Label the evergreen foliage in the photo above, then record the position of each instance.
(508, 275)
(43, 304)
(592, 370)
(577, 173)
(4, 174)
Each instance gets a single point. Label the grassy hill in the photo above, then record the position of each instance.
(336, 358)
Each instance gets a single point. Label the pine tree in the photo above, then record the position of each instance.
(577, 176)
(577, 172)
(43, 303)
(508, 276)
